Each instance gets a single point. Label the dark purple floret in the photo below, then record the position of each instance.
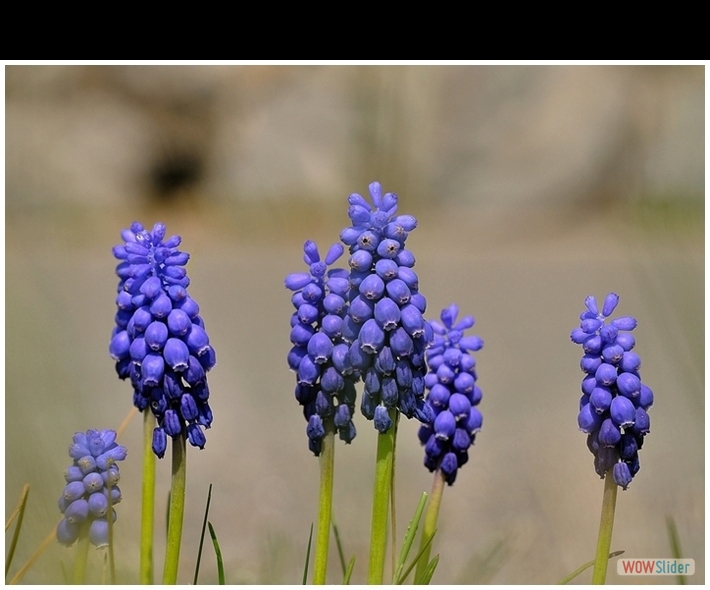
(453, 395)
(159, 341)
(325, 372)
(614, 401)
(84, 501)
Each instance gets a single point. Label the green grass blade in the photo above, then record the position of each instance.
(308, 557)
(430, 519)
(65, 574)
(409, 539)
(218, 553)
(428, 572)
(339, 545)
(349, 571)
(202, 536)
(675, 545)
(482, 566)
(19, 512)
(50, 539)
(422, 550)
(20, 505)
(586, 566)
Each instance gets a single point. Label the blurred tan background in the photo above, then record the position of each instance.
(534, 187)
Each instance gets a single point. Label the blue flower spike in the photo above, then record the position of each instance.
(159, 341)
(385, 328)
(614, 402)
(453, 395)
(325, 376)
(85, 499)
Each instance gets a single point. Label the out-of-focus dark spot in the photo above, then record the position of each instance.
(175, 172)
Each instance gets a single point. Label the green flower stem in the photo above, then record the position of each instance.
(380, 503)
(605, 529)
(82, 555)
(111, 561)
(176, 510)
(430, 519)
(147, 500)
(320, 563)
(393, 501)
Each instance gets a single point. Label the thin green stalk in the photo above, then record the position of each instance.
(380, 503)
(104, 572)
(82, 554)
(110, 556)
(430, 519)
(393, 502)
(176, 510)
(148, 500)
(606, 526)
(320, 559)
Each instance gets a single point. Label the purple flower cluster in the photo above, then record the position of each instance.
(325, 377)
(453, 395)
(90, 479)
(159, 341)
(614, 402)
(385, 325)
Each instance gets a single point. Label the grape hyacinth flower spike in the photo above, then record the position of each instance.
(325, 378)
(612, 409)
(90, 486)
(159, 341)
(385, 324)
(161, 345)
(319, 356)
(452, 398)
(388, 336)
(453, 395)
(614, 402)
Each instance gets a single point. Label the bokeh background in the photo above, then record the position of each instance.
(534, 187)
